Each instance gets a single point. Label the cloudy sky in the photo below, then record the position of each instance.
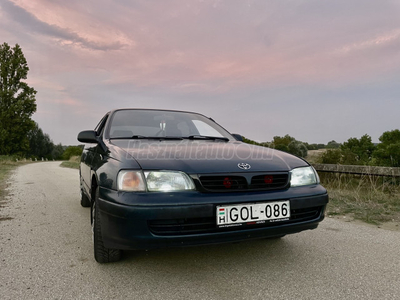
(317, 70)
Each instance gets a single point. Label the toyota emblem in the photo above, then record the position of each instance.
(244, 166)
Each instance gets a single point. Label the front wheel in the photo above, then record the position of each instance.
(101, 253)
(85, 202)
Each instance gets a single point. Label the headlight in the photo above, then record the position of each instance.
(166, 181)
(156, 181)
(303, 176)
(131, 181)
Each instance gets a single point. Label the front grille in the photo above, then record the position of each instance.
(208, 225)
(223, 183)
(270, 181)
(230, 183)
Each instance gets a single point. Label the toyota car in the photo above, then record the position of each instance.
(163, 178)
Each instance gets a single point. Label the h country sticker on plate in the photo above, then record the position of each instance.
(255, 213)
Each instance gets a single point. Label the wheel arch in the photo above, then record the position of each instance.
(93, 187)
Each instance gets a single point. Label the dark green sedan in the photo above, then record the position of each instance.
(162, 178)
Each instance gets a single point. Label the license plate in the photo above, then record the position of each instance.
(251, 214)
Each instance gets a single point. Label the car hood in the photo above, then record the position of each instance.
(202, 157)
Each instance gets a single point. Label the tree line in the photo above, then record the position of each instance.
(19, 134)
(363, 152)
(352, 152)
(41, 146)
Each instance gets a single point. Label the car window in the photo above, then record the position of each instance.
(205, 129)
(100, 127)
(158, 123)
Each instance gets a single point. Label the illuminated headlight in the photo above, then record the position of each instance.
(165, 181)
(303, 176)
(131, 181)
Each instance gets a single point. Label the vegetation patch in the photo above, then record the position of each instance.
(72, 163)
(371, 199)
(315, 156)
(7, 164)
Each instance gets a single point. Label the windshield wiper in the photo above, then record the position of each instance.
(140, 137)
(157, 137)
(205, 137)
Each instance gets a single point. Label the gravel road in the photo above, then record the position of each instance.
(46, 253)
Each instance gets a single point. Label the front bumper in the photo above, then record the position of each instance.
(133, 221)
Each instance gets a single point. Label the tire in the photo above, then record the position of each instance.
(101, 253)
(85, 202)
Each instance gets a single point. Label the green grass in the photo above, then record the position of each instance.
(70, 164)
(73, 163)
(371, 199)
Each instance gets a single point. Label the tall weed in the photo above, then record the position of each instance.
(373, 199)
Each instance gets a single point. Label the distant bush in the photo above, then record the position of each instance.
(388, 151)
(72, 151)
(331, 156)
(357, 151)
(251, 142)
(289, 144)
(332, 145)
(286, 143)
(352, 152)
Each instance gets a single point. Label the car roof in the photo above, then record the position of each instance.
(156, 109)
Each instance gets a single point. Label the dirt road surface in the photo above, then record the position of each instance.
(46, 253)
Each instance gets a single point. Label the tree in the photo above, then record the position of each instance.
(58, 151)
(333, 145)
(17, 101)
(298, 148)
(311, 146)
(332, 156)
(388, 151)
(289, 144)
(40, 144)
(358, 151)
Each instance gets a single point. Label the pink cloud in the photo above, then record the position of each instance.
(379, 41)
(205, 45)
(74, 27)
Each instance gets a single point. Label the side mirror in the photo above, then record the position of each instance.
(238, 137)
(88, 136)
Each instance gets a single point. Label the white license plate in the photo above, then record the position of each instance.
(255, 213)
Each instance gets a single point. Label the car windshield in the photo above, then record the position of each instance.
(126, 124)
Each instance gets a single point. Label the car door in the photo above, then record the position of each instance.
(89, 155)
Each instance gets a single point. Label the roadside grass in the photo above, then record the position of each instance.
(72, 163)
(371, 199)
(7, 164)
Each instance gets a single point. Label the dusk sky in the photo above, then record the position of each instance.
(316, 70)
